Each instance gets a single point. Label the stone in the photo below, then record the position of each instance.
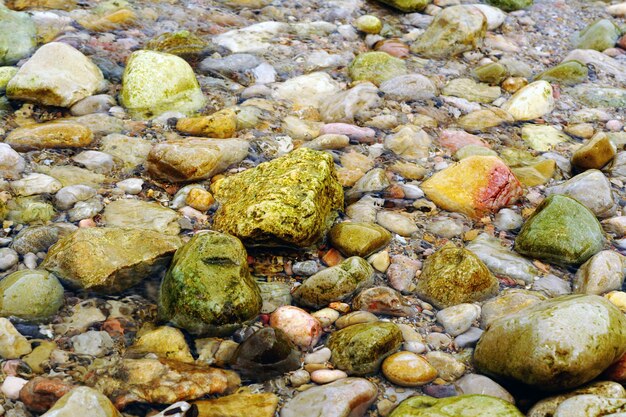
(30, 295)
(458, 319)
(300, 327)
(453, 276)
(11, 163)
(208, 288)
(325, 376)
(68, 196)
(291, 200)
(594, 154)
(50, 135)
(348, 397)
(33, 184)
(194, 159)
(531, 102)
(585, 405)
(80, 400)
(369, 24)
(396, 223)
(319, 356)
(491, 186)
(165, 342)
(548, 406)
(408, 369)
(508, 302)
(594, 96)
(358, 239)
(40, 393)
(92, 343)
(511, 5)
(542, 138)
(448, 367)
(409, 87)
(470, 90)
(502, 261)
(137, 214)
(376, 67)
(221, 124)
(560, 231)
(384, 300)
(480, 120)
(109, 260)
(56, 75)
(156, 82)
(12, 386)
(409, 142)
(8, 259)
(96, 161)
(12, 344)
(253, 38)
(462, 405)
(100, 103)
(345, 106)
(235, 405)
(361, 348)
(601, 202)
(274, 294)
(495, 16)
(407, 6)
(128, 152)
(37, 238)
(602, 273)
(530, 347)
(18, 37)
(600, 35)
(266, 354)
(182, 43)
(479, 384)
(401, 272)
(307, 90)
(565, 73)
(493, 73)
(458, 139)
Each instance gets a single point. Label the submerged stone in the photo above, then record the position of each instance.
(474, 405)
(359, 239)
(600, 35)
(376, 67)
(18, 35)
(407, 6)
(30, 295)
(566, 73)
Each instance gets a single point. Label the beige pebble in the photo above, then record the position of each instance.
(325, 376)
(408, 369)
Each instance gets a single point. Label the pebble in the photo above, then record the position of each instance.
(459, 318)
(325, 376)
(132, 186)
(408, 369)
(92, 343)
(8, 258)
(12, 386)
(396, 223)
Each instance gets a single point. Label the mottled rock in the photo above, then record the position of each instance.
(137, 214)
(358, 239)
(235, 405)
(384, 300)
(548, 406)
(51, 135)
(602, 273)
(165, 342)
(462, 405)
(300, 327)
(221, 124)
(376, 67)
(480, 384)
(30, 295)
(458, 319)
(409, 87)
(601, 202)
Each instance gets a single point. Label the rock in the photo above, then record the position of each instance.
(480, 120)
(221, 124)
(458, 268)
(325, 376)
(542, 138)
(586, 405)
(602, 62)
(208, 289)
(348, 397)
(156, 82)
(274, 294)
(548, 406)
(235, 405)
(376, 67)
(458, 139)
(396, 223)
(253, 38)
(410, 142)
(470, 90)
(454, 30)
(194, 159)
(508, 302)
(56, 75)
(307, 90)
(8, 259)
(407, 6)
(300, 327)
(291, 199)
(529, 346)
(40, 394)
(458, 319)
(448, 367)
(80, 400)
(465, 405)
(408, 369)
(12, 386)
(37, 238)
(384, 300)
(109, 260)
(96, 161)
(493, 73)
(360, 349)
(319, 356)
(92, 343)
(66, 197)
(30, 295)
(266, 354)
(182, 43)
(560, 231)
(492, 186)
(600, 35)
(165, 342)
(100, 103)
(401, 272)
(137, 214)
(358, 239)
(495, 16)
(328, 141)
(50, 135)
(600, 202)
(128, 152)
(502, 261)
(18, 37)
(408, 87)
(369, 24)
(12, 344)
(33, 184)
(11, 163)
(479, 384)
(595, 153)
(566, 73)
(531, 102)
(336, 283)
(345, 106)
(132, 186)
(602, 273)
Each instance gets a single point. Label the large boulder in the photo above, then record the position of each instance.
(208, 288)
(291, 200)
(109, 260)
(555, 344)
(56, 75)
(459, 406)
(18, 36)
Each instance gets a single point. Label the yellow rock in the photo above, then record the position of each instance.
(408, 170)
(116, 20)
(12, 343)
(222, 124)
(238, 405)
(51, 135)
(618, 299)
(594, 154)
(199, 199)
(408, 369)
(536, 174)
(165, 342)
(39, 356)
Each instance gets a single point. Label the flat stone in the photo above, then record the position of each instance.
(50, 135)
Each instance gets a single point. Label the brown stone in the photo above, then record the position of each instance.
(53, 135)
(39, 394)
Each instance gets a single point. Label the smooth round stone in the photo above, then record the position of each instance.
(32, 184)
(83, 401)
(507, 219)
(408, 369)
(92, 343)
(369, 24)
(508, 302)
(359, 239)
(552, 286)
(531, 102)
(66, 197)
(547, 407)
(469, 338)
(8, 258)
(376, 67)
(12, 164)
(480, 384)
(438, 340)
(409, 87)
(30, 295)
(448, 367)
(355, 317)
(12, 386)
(456, 406)
(602, 273)
(326, 316)
(100, 103)
(459, 318)
(445, 227)
(300, 327)
(326, 376)
(306, 268)
(131, 186)
(591, 405)
(299, 377)
(396, 223)
(96, 161)
(319, 356)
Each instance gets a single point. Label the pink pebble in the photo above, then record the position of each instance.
(456, 139)
(360, 134)
(614, 125)
(302, 329)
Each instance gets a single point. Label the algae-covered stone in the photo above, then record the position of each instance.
(30, 295)
(561, 231)
(156, 82)
(600, 35)
(566, 73)
(18, 36)
(359, 239)
(595, 153)
(360, 349)
(407, 6)
(109, 260)
(511, 5)
(182, 43)
(471, 90)
(291, 200)
(236, 405)
(474, 405)
(208, 288)
(454, 30)
(492, 73)
(541, 137)
(139, 214)
(336, 283)
(536, 346)
(376, 67)
(531, 102)
(453, 276)
(6, 73)
(221, 124)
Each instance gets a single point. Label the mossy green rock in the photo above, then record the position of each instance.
(30, 295)
(109, 259)
(18, 36)
(156, 82)
(453, 276)
(6, 73)
(291, 200)
(359, 239)
(208, 289)
(561, 231)
(360, 349)
(510, 5)
(492, 73)
(336, 283)
(182, 43)
(454, 30)
(376, 67)
(567, 73)
(474, 405)
(600, 35)
(554, 345)
(407, 6)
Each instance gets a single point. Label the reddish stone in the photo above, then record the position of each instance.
(622, 42)
(456, 139)
(40, 394)
(332, 257)
(394, 47)
(617, 371)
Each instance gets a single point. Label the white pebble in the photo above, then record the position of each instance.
(319, 356)
(131, 186)
(12, 386)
